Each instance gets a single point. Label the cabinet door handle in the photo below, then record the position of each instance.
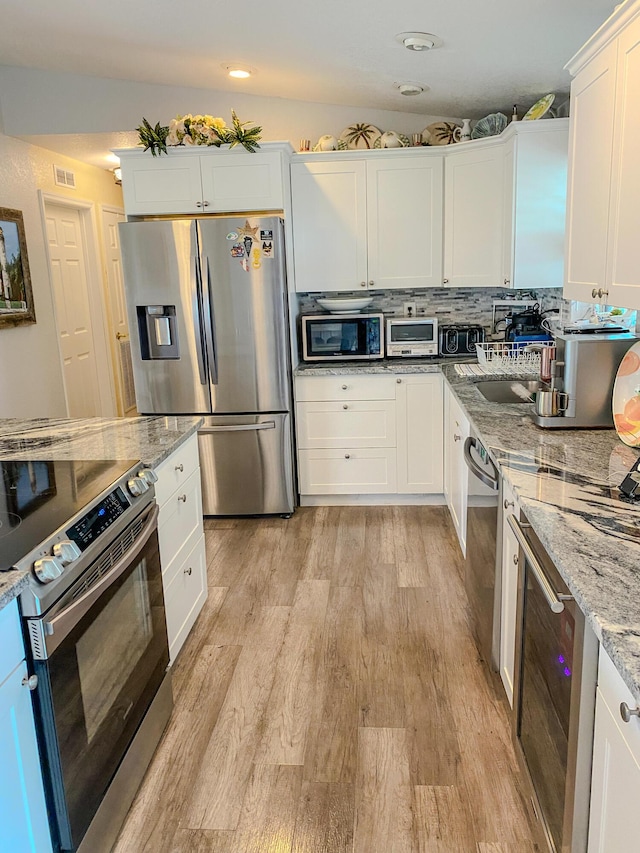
(188, 571)
(182, 498)
(198, 204)
(399, 381)
(30, 681)
(345, 406)
(445, 281)
(507, 282)
(344, 387)
(457, 437)
(372, 283)
(507, 504)
(516, 559)
(626, 712)
(347, 456)
(363, 284)
(205, 204)
(180, 467)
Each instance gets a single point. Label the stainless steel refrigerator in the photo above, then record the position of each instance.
(207, 306)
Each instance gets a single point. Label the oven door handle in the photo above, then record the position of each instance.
(67, 619)
(554, 599)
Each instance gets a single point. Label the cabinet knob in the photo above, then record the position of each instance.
(180, 467)
(626, 712)
(363, 284)
(516, 560)
(399, 381)
(188, 571)
(347, 456)
(182, 498)
(345, 406)
(205, 204)
(198, 204)
(457, 437)
(506, 504)
(507, 282)
(30, 681)
(594, 293)
(604, 293)
(344, 387)
(445, 281)
(372, 283)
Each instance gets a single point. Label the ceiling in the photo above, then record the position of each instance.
(494, 54)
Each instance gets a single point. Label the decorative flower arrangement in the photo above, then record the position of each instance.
(199, 130)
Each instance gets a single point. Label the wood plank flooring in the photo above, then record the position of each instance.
(330, 699)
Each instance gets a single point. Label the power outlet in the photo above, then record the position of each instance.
(409, 309)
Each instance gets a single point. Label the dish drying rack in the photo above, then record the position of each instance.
(508, 358)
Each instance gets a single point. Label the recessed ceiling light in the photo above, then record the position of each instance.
(238, 70)
(419, 41)
(411, 88)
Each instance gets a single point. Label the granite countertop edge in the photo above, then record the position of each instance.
(151, 439)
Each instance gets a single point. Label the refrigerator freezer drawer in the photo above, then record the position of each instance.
(246, 463)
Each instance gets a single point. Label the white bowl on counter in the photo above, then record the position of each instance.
(345, 306)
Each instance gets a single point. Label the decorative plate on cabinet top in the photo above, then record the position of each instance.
(491, 125)
(345, 306)
(440, 133)
(626, 397)
(360, 136)
(539, 108)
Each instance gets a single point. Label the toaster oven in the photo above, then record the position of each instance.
(412, 337)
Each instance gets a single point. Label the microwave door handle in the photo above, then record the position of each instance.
(56, 629)
(210, 323)
(554, 599)
(197, 323)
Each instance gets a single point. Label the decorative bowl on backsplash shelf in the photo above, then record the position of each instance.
(345, 306)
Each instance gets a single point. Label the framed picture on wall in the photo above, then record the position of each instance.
(16, 298)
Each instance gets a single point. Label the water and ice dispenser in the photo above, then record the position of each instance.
(158, 331)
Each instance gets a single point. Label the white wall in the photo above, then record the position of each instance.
(45, 102)
(31, 382)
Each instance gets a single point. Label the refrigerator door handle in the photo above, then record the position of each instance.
(197, 324)
(238, 427)
(210, 324)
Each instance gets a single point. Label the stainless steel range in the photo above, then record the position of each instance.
(95, 621)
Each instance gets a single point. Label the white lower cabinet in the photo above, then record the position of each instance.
(369, 435)
(181, 539)
(456, 479)
(510, 552)
(23, 813)
(614, 817)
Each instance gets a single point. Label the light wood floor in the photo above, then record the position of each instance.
(330, 699)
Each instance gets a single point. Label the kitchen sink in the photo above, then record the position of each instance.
(508, 390)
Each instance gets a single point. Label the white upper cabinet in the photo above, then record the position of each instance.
(474, 216)
(603, 251)
(535, 196)
(367, 223)
(197, 180)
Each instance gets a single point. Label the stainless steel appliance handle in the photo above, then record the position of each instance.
(197, 325)
(210, 323)
(554, 600)
(67, 619)
(238, 428)
(492, 482)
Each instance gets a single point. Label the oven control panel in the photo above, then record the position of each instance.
(88, 528)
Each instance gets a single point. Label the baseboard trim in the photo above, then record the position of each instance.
(372, 500)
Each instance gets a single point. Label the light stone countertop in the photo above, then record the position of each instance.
(149, 439)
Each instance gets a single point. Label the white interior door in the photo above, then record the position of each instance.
(73, 317)
(118, 325)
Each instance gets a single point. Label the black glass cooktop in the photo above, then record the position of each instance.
(36, 498)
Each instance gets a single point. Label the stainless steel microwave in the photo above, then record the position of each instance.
(411, 337)
(342, 337)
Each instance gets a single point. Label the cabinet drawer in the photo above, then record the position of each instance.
(184, 596)
(354, 424)
(348, 471)
(180, 520)
(177, 469)
(346, 387)
(614, 691)
(10, 639)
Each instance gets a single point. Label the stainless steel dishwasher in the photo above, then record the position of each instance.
(483, 553)
(556, 660)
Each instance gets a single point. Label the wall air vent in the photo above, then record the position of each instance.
(64, 178)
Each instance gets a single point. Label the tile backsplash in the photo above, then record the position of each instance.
(447, 304)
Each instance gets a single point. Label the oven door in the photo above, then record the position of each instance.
(106, 656)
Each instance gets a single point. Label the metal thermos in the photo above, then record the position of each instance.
(547, 355)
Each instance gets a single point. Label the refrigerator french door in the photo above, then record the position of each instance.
(208, 313)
